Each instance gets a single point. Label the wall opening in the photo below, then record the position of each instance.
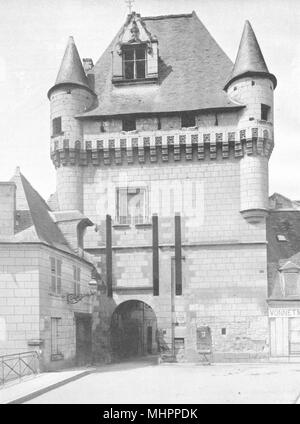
(133, 330)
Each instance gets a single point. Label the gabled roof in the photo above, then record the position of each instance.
(192, 72)
(285, 223)
(249, 60)
(71, 70)
(33, 217)
(279, 202)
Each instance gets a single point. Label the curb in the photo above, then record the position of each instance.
(40, 392)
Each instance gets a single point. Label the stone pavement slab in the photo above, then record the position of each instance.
(26, 389)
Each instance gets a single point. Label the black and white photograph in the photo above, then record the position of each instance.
(149, 205)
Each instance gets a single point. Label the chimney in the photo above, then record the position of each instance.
(7, 208)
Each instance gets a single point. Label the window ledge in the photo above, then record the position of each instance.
(144, 225)
(121, 226)
(152, 80)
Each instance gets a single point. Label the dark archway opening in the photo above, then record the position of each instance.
(133, 330)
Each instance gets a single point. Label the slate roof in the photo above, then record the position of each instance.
(33, 216)
(249, 58)
(284, 222)
(71, 70)
(192, 72)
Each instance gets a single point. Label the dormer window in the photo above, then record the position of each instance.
(291, 284)
(134, 62)
(290, 280)
(135, 54)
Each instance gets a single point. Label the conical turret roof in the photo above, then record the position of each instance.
(249, 60)
(71, 70)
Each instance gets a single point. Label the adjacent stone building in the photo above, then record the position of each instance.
(283, 234)
(45, 280)
(164, 145)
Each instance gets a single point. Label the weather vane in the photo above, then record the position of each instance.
(130, 5)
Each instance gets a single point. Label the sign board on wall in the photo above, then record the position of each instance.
(284, 312)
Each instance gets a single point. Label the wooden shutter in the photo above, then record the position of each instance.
(117, 66)
(58, 276)
(152, 62)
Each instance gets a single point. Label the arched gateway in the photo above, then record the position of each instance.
(133, 330)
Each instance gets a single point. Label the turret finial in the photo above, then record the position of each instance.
(130, 5)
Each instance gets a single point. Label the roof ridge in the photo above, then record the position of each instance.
(180, 15)
(35, 191)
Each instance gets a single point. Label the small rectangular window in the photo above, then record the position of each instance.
(56, 126)
(128, 124)
(55, 336)
(132, 205)
(55, 265)
(188, 120)
(265, 112)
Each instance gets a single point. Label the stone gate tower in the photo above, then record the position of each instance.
(164, 145)
(69, 96)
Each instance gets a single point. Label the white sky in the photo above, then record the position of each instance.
(33, 36)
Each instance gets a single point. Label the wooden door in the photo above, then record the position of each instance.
(83, 339)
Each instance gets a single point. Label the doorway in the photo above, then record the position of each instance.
(133, 330)
(83, 324)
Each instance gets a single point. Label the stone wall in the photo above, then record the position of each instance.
(19, 297)
(167, 122)
(225, 276)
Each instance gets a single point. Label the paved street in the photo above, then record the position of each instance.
(141, 382)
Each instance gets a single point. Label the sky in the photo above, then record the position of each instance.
(33, 37)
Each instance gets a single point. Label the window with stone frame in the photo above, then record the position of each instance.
(132, 205)
(55, 265)
(291, 283)
(134, 62)
(56, 126)
(265, 111)
(128, 124)
(76, 280)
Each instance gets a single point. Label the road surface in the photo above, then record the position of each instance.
(142, 382)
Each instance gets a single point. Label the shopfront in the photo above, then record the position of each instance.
(284, 319)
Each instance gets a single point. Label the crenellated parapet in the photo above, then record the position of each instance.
(150, 147)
